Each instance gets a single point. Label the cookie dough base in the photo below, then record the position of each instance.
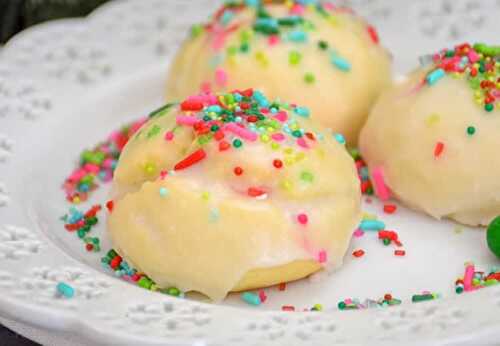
(265, 277)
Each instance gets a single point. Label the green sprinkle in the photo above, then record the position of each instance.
(153, 131)
(161, 111)
(307, 176)
(294, 58)
(196, 30)
(471, 130)
(323, 45)
(488, 107)
(309, 78)
(237, 143)
(145, 282)
(173, 291)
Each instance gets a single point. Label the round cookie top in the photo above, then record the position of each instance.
(240, 137)
(278, 22)
(478, 65)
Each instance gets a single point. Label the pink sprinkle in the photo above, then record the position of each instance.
(380, 188)
(91, 168)
(281, 116)
(163, 174)
(221, 77)
(278, 137)
(329, 6)
(77, 175)
(169, 136)
(473, 56)
(298, 9)
(262, 296)
(108, 176)
(273, 40)
(468, 276)
(206, 87)
(358, 233)
(186, 120)
(108, 163)
(348, 301)
(322, 256)
(302, 142)
(302, 219)
(241, 132)
(219, 41)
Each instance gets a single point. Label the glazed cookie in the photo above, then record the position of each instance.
(231, 192)
(433, 139)
(321, 56)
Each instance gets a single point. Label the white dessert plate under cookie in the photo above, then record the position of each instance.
(65, 85)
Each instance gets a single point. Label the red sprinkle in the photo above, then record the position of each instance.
(288, 308)
(110, 204)
(278, 163)
(89, 247)
(358, 253)
(115, 262)
(238, 171)
(191, 106)
(390, 208)
(192, 159)
(373, 34)
(255, 192)
(387, 296)
(400, 252)
(262, 296)
(223, 145)
(438, 150)
(388, 235)
(282, 286)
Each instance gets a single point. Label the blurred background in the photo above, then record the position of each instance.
(16, 15)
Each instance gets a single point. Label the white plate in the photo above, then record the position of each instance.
(65, 85)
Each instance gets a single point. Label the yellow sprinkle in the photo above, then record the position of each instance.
(76, 200)
(288, 150)
(294, 126)
(262, 58)
(334, 21)
(289, 160)
(270, 129)
(150, 168)
(205, 195)
(368, 216)
(265, 138)
(275, 146)
(320, 152)
(287, 185)
(300, 156)
(432, 119)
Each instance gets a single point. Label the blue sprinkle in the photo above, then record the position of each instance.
(237, 97)
(270, 22)
(297, 36)
(372, 225)
(252, 3)
(83, 187)
(163, 191)
(261, 99)
(339, 138)
(341, 63)
(227, 17)
(250, 298)
(274, 110)
(302, 111)
(65, 290)
(214, 215)
(364, 173)
(215, 108)
(434, 76)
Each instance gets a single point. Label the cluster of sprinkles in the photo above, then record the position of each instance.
(81, 223)
(355, 304)
(98, 164)
(474, 280)
(113, 261)
(478, 64)
(293, 28)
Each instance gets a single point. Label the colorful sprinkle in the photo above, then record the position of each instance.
(251, 298)
(65, 290)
